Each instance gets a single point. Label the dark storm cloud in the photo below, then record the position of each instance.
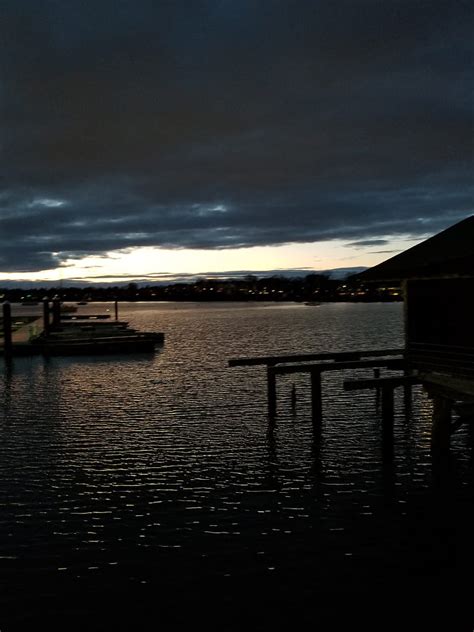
(367, 242)
(383, 252)
(217, 124)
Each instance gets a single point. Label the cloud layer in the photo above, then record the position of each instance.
(220, 124)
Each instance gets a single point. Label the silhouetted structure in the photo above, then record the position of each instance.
(332, 361)
(437, 278)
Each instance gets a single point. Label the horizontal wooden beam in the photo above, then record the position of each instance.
(380, 382)
(302, 357)
(439, 347)
(445, 386)
(85, 316)
(394, 363)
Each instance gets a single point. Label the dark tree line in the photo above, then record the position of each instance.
(313, 287)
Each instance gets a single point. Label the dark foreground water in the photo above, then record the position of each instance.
(147, 493)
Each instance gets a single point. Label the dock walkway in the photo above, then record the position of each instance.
(22, 335)
(66, 335)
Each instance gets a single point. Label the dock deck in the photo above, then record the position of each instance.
(76, 335)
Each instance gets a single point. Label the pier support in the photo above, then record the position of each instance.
(441, 426)
(271, 392)
(377, 390)
(316, 397)
(46, 315)
(387, 424)
(7, 329)
(407, 388)
(116, 309)
(293, 398)
(56, 311)
(279, 365)
(387, 406)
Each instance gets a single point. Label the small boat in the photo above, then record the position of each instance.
(312, 303)
(82, 303)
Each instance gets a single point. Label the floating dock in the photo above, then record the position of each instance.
(66, 334)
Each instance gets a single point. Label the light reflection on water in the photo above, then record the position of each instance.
(159, 473)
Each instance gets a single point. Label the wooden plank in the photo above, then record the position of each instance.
(426, 346)
(394, 363)
(106, 339)
(447, 368)
(449, 386)
(85, 316)
(301, 357)
(370, 383)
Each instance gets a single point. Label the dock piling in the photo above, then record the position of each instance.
(46, 315)
(387, 406)
(7, 329)
(293, 398)
(116, 309)
(316, 397)
(377, 390)
(387, 423)
(339, 361)
(407, 388)
(441, 424)
(271, 392)
(56, 311)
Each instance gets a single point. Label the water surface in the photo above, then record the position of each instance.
(142, 486)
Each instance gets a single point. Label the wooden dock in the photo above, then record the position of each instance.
(454, 394)
(305, 363)
(67, 334)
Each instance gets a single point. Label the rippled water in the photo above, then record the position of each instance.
(135, 488)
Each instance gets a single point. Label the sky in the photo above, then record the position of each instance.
(145, 139)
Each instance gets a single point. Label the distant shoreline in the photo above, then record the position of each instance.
(310, 289)
(228, 301)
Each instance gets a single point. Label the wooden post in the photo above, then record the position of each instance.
(7, 329)
(377, 390)
(405, 287)
(46, 315)
(407, 391)
(441, 427)
(316, 397)
(116, 309)
(56, 311)
(271, 392)
(293, 397)
(387, 406)
(387, 426)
